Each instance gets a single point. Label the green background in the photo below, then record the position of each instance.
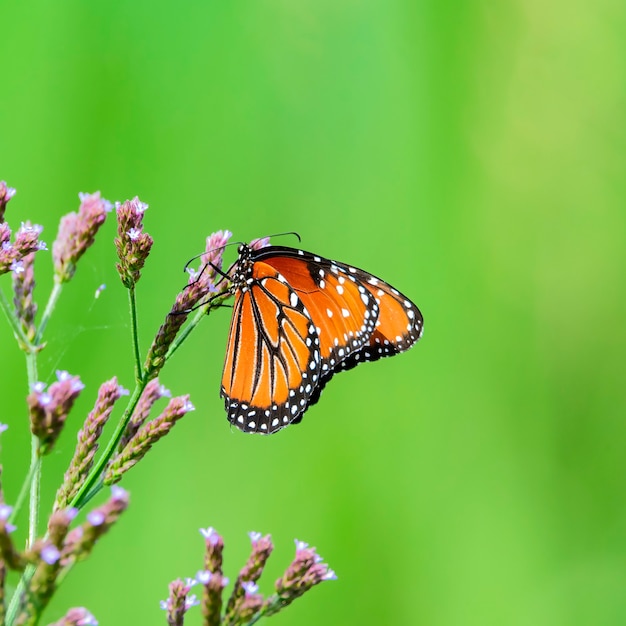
(471, 153)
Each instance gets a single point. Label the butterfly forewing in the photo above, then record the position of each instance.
(343, 311)
(272, 359)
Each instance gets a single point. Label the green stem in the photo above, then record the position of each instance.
(22, 495)
(52, 301)
(14, 605)
(93, 483)
(34, 482)
(132, 301)
(15, 324)
(35, 460)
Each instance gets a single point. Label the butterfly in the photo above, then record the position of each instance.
(298, 319)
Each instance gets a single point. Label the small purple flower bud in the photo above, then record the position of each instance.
(300, 545)
(119, 493)
(5, 511)
(254, 536)
(164, 392)
(330, 575)
(250, 587)
(165, 604)
(17, 267)
(71, 513)
(3, 427)
(50, 554)
(190, 601)
(210, 534)
(45, 399)
(203, 576)
(95, 518)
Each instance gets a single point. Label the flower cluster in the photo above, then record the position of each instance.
(145, 437)
(77, 233)
(6, 193)
(87, 446)
(245, 604)
(132, 243)
(49, 409)
(202, 283)
(26, 241)
(52, 556)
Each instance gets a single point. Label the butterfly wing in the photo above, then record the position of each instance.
(272, 363)
(343, 310)
(297, 320)
(397, 322)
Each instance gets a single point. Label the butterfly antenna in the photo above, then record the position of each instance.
(291, 232)
(197, 256)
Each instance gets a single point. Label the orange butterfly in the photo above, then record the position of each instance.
(299, 318)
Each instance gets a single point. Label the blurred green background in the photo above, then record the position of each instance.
(470, 153)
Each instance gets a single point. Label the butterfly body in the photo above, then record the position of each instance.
(298, 319)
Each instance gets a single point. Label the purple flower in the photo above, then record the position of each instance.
(88, 438)
(6, 193)
(49, 410)
(250, 587)
(26, 242)
(210, 534)
(203, 576)
(96, 518)
(5, 511)
(133, 245)
(50, 554)
(119, 493)
(77, 232)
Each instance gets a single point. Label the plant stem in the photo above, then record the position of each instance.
(14, 605)
(52, 300)
(91, 486)
(22, 495)
(132, 301)
(35, 459)
(34, 482)
(14, 322)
